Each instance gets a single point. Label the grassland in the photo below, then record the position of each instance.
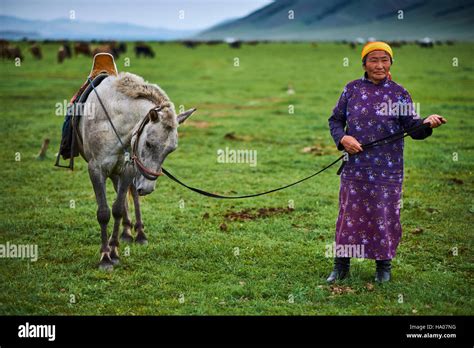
(190, 265)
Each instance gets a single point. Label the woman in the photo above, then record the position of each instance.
(371, 181)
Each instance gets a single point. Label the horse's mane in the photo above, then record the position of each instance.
(136, 87)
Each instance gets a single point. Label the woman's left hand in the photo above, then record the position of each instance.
(435, 120)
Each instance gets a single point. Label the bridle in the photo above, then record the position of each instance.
(146, 172)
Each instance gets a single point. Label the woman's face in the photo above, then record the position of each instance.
(377, 65)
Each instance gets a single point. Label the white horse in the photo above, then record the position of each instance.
(146, 122)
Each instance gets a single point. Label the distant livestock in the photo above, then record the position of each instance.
(190, 44)
(122, 47)
(111, 49)
(82, 48)
(144, 50)
(426, 43)
(10, 52)
(36, 51)
(235, 44)
(67, 48)
(62, 54)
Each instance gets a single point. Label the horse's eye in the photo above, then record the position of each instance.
(148, 145)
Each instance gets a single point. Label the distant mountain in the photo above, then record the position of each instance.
(350, 19)
(13, 28)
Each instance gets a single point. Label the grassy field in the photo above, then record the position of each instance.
(200, 262)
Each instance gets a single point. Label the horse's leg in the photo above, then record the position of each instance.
(103, 213)
(126, 235)
(141, 237)
(118, 209)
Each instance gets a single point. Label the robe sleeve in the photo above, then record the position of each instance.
(410, 118)
(337, 121)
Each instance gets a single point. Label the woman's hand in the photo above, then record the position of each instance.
(351, 145)
(435, 120)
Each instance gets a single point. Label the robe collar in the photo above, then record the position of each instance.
(365, 78)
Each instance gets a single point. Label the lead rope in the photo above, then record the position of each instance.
(395, 136)
(208, 194)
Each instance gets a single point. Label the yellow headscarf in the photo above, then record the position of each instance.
(377, 46)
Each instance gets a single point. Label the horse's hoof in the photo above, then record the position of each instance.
(127, 238)
(106, 263)
(114, 258)
(141, 240)
(106, 266)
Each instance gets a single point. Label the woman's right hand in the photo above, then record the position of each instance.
(351, 145)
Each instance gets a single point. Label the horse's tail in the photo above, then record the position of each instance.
(130, 195)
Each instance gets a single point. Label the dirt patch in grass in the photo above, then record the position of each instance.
(417, 230)
(253, 214)
(233, 136)
(219, 114)
(319, 150)
(341, 289)
(456, 181)
(199, 124)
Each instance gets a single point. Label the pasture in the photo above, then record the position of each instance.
(227, 257)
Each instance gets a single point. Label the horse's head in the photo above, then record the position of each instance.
(154, 139)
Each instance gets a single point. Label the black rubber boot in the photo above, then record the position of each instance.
(382, 270)
(341, 269)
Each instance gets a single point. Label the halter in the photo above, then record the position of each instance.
(146, 172)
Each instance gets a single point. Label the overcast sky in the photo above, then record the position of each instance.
(198, 14)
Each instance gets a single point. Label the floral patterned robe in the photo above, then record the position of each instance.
(371, 181)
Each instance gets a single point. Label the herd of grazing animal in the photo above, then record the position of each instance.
(424, 43)
(68, 50)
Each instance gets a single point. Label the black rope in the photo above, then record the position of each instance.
(388, 140)
(213, 195)
(395, 136)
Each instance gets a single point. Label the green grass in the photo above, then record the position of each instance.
(282, 256)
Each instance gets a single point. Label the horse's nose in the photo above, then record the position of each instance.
(143, 191)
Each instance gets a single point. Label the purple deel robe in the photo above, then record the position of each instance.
(371, 181)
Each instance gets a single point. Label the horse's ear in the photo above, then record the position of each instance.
(153, 114)
(184, 115)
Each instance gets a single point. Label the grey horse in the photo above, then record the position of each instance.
(128, 99)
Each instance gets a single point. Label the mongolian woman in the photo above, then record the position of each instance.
(371, 108)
